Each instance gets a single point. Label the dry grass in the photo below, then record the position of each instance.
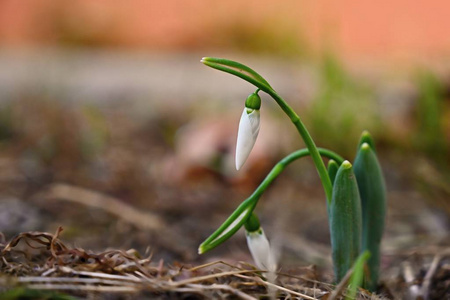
(41, 261)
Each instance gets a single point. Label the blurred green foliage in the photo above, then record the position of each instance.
(94, 132)
(430, 134)
(342, 108)
(345, 105)
(24, 294)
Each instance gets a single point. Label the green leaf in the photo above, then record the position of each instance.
(357, 275)
(366, 137)
(230, 226)
(345, 220)
(237, 69)
(372, 189)
(333, 168)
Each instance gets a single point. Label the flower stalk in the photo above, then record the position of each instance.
(238, 218)
(257, 80)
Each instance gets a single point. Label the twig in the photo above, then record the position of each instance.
(87, 288)
(341, 286)
(258, 279)
(218, 262)
(59, 280)
(100, 275)
(431, 271)
(223, 287)
(408, 275)
(143, 220)
(210, 276)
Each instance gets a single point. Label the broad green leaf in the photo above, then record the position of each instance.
(372, 190)
(345, 220)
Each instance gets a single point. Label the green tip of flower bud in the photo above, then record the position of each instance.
(333, 168)
(346, 165)
(253, 101)
(365, 146)
(252, 223)
(366, 137)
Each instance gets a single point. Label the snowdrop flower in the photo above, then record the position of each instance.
(259, 246)
(248, 129)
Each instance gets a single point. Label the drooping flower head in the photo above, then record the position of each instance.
(248, 129)
(259, 246)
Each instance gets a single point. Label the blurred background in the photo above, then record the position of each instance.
(112, 128)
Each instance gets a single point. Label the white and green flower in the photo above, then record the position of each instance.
(248, 129)
(259, 246)
(261, 251)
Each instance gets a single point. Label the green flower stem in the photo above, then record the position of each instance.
(305, 152)
(320, 166)
(254, 78)
(282, 164)
(245, 209)
(230, 226)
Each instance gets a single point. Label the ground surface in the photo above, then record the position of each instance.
(117, 179)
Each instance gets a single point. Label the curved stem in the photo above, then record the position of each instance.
(305, 152)
(245, 209)
(320, 166)
(282, 164)
(257, 80)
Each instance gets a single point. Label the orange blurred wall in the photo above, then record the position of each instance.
(379, 29)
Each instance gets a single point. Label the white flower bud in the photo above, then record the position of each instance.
(247, 134)
(260, 249)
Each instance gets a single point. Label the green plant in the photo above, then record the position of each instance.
(430, 136)
(345, 194)
(345, 220)
(372, 189)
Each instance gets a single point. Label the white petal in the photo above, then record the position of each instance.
(260, 249)
(247, 134)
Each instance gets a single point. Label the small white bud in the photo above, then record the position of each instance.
(247, 134)
(260, 249)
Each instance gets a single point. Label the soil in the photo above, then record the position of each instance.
(96, 202)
